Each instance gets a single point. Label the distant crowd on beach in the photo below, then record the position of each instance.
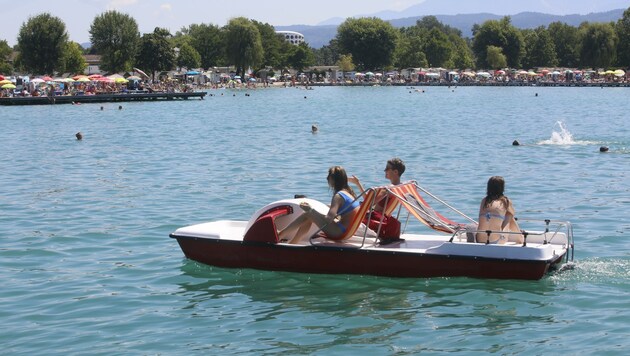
(99, 84)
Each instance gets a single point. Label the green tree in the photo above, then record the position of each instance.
(272, 44)
(495, 57)
(300, 57)
(188, 57)
(243, 44)
(345, 63)
(462, 54)
(371, 41)
(115, 37)
(156, 52)
(5, 53)
(622, 28)
(566, 40)
(410, 53)
(499, 34)
(438, 49)
(540, 50)
(41, 42)
(599, 45)
(72, 60)
(328, 55)
(208, 41)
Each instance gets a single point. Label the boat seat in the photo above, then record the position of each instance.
(264, 229)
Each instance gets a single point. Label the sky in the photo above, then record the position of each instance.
(173, 15)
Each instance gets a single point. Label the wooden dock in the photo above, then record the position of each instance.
(99, 98)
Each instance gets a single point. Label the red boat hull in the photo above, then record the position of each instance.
(348, 260)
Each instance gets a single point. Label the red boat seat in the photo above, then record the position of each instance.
(264, 228)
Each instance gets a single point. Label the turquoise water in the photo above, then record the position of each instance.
(88, 268)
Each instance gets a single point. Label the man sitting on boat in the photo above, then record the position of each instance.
(394, 169)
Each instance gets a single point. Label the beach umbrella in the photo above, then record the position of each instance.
(37, 80)
(499, 72)
(133, 77)
(5, 81)
(141, 72)
(47, 78)
(77, 77)
(369, 74)
(83, 79)
(609, 72)
(484, 74)
(532, 74)
(619, 73)
(192, 72)
(1, 77)
(8, 86)
(104, 80)
(120, 80)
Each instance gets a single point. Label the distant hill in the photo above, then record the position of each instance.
(319, 36)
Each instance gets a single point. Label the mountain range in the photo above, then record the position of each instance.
(320, 35)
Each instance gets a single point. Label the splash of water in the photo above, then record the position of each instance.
(560, 137)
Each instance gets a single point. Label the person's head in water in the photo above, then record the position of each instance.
(516, 143)
(338, 179)
(314, 128)
(603, 149)
(79, 136)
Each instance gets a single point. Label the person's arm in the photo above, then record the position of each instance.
(355, 180)
(509, 217)
(335, 204)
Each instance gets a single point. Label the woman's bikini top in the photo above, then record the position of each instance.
(349, 203)
(489, 216)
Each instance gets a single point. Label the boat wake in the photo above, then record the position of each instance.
(602, 270)
(561, 136)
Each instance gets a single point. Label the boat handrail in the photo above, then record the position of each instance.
(443, 202)
(559, 226)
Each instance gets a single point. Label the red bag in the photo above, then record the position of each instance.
(389, 227)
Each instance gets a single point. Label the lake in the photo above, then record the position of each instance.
(88, 268)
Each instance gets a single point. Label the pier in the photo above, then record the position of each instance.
(99, 98)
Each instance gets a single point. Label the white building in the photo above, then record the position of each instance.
(292, 37)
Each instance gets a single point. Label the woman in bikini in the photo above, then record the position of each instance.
(334, 224)
(496, 213)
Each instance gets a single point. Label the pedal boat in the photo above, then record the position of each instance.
(446, 252)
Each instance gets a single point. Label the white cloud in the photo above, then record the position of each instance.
(116, 4)
(166, 7)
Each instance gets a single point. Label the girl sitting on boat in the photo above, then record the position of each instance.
(496, 213)
(334, 224)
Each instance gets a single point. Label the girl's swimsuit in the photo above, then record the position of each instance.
(349, 204)
(489, 216)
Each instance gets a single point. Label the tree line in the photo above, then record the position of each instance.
(361, 43)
